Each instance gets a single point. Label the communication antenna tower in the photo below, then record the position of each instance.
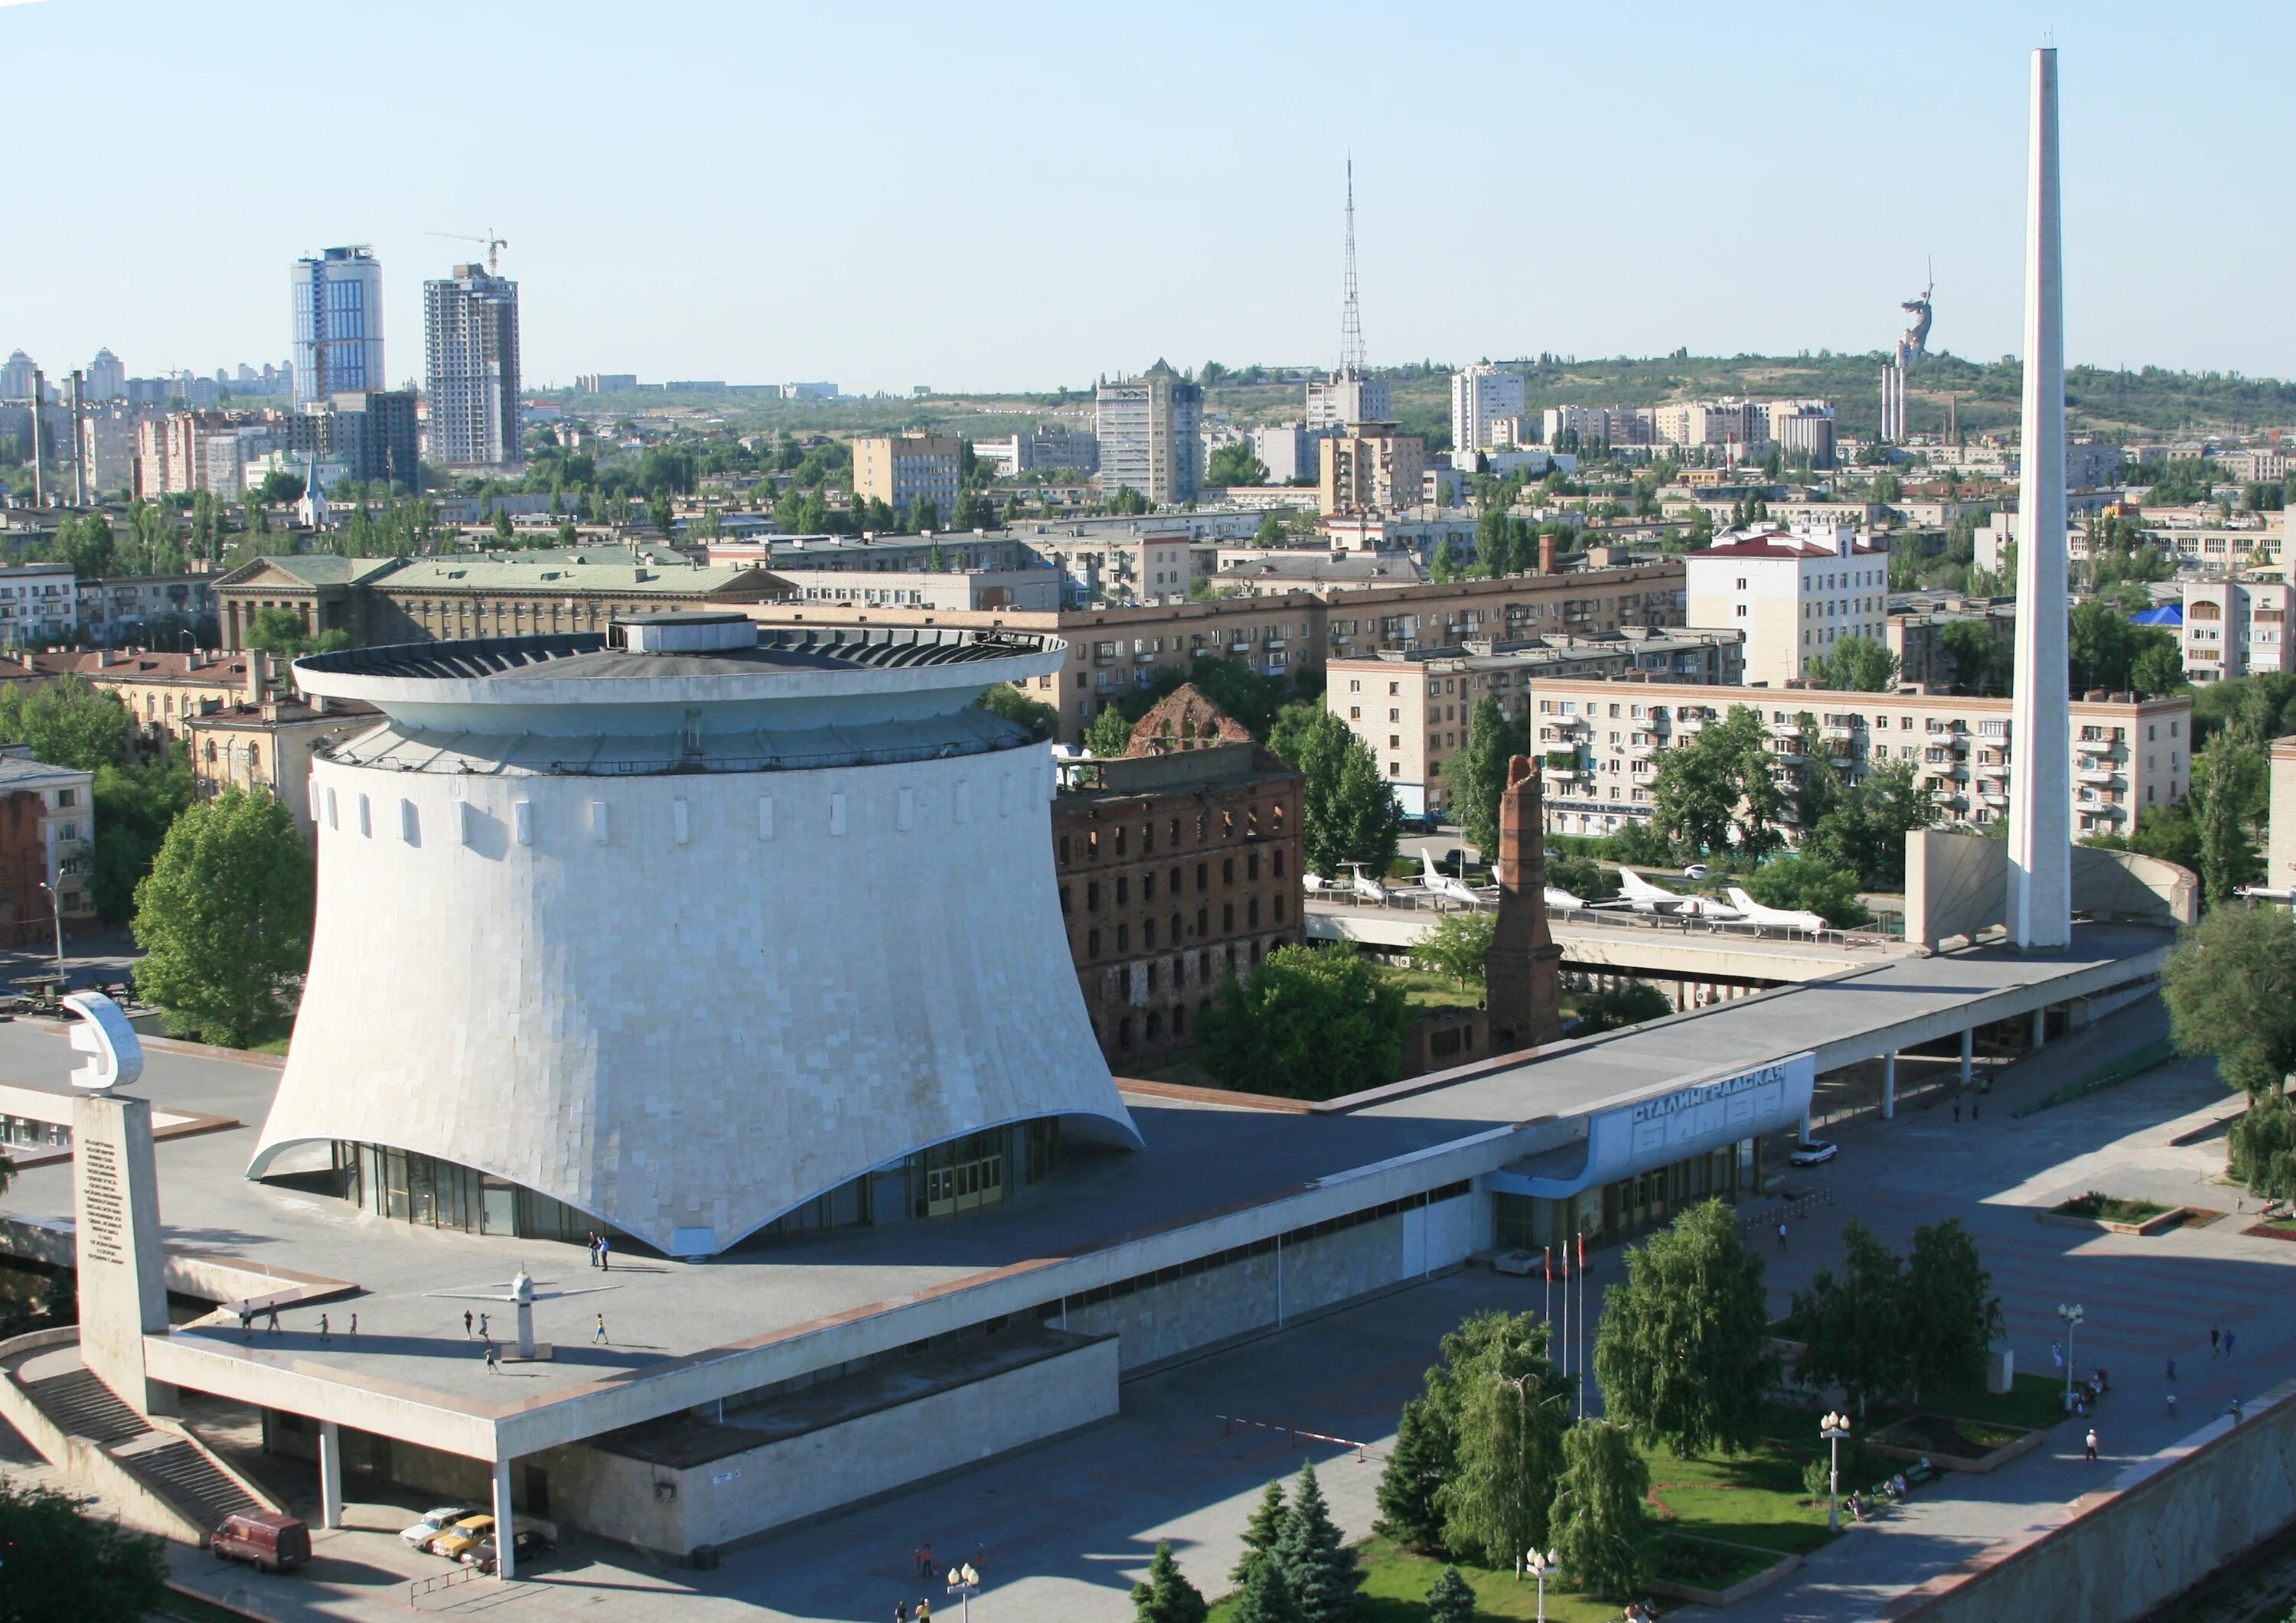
(1352, 364)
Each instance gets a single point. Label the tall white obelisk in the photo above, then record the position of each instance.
(2040, 787)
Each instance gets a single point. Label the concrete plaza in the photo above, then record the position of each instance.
(1066, 1528)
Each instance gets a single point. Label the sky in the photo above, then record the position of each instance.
(1025, 196)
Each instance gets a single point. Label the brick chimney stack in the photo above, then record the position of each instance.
(1522, 974)
(1547, 553)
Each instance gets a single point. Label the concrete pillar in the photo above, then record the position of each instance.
(1805, 1127)
(331, 1474)
(506, 1531)
(1968, 1052)
(1889, 1086)
(123, 1296)
(2041, 1025)
(2040, 767)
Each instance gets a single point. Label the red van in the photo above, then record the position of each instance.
(272, 1542)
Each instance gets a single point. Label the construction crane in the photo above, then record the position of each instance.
(494, 244)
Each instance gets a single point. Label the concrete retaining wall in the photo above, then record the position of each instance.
(673, 1510)
(2114, 1555)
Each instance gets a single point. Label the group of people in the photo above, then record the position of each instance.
(2089, 1394)
(927, 1570)
(602, 1252)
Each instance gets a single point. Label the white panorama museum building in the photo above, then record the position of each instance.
(686, 932)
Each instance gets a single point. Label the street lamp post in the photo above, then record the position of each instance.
(57, 909)
(1834, 1428)
(964, 1581)
(1541, 1562)
(2073, 1316)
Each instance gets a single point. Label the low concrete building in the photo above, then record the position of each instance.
(163, 691)
(1179, 863)
(132, 609)
(1036, 590)
(38, 602)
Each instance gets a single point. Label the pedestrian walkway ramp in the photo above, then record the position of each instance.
(149, 1470)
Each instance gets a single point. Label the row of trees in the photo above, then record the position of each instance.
(1488, 1462)
(2231, 989)
(1895, 1327)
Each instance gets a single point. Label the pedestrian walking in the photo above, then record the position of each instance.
(2216, 1338)
(2233, 1408)
(1782, 1236)
(606, 1253)
(2091, 1442)
(246, 1322)
(1973, 1107)
(591, 1245)
(485, 1335)
(271, 1325)
(901, 1611)
(323, 1327)
(2172, 1369)
(354, 1323)
(924, 1606)
(599, 1334)
(494, 1360)
(2228, 1343)
(2172, 1406)
(466, 1324)
(1956, 1107)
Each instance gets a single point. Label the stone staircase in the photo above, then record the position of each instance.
(155, 1475)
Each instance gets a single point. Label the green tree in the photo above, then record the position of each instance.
(279, 487)
(1457, 946)
(1852, 1324)
(1598, 1509)
(1981, 661)
(1513, 1411)
(2229, 782)
(1262, 1532)
(974, 510)
(281, 634)
(1451, 1599)
(1266, 1596)
(134, 807)
(1346, 814)
(661, 513)
(1322, 1574)
(2158, 669)
(1235, 464)
(64, 1567)
(1717, 790)
(1110, 733)
(1864, 831)
(1270, 532)
(1951, 1315)
(1009, 701)
(504, 533)
(67, 723)
(1683, 1348)
(1167, 1596)
(1858, 664)
(1479, 772)
(1125, 501)
(2231, 989)
(225, 918)
(1630, 1004)
(1311, 1023)
(1806, 884)
(1445, 565)
(1416, 1468)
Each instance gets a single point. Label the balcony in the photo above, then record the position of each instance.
(1141, 656)
(2103, 777)
(1240, 647)
(1836, 731)
(1993, 797)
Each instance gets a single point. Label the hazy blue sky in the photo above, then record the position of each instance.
(1024, 196)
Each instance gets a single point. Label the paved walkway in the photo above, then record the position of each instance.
(1066, 1529)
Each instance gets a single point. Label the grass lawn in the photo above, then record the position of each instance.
(2037, 1401)
(2109, 1208)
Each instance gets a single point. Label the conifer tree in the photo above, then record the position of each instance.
(1261, 1533)
(1323, 1576)
(1167, 1596)
(1450, 1600)
(1421, 1459)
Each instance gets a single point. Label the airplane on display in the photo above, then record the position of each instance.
(1560, 900)
(1440, 884)
(1312, 882)
(1641, 896)
(1776, 918)
(1363, 885)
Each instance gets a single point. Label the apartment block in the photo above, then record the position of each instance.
(38, 602)
(2280, 842)
(1742, 424)
(1346, 397)
(1149, 431)
(1373, 467)
(1114, 650)
(2234, 628)
(902, 470)
(1600, 742)
(1289, 451)
(1413, 709)
(1793, 593)
(1486, 407)
(470, 335)
(1803, 428)
(172, 454)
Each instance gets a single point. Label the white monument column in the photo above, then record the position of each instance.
(123, 1296)
(2040, 787)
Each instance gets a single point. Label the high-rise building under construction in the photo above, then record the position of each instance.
(470, 331)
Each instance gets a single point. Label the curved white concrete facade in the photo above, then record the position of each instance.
(682, 1000)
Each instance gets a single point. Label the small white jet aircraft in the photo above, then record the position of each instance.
(1776, 918)
(1443, 885)
(1560, 900)
(1641, 896)
(1312, 881)
(1364, 886)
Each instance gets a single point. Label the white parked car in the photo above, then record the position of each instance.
(435, 1522)
(1696, 870)
(1813, 1152)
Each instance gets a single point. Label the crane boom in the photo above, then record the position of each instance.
(494, 244)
